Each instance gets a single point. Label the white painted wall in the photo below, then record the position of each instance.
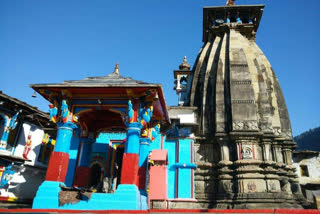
(36, 138)
(313, 164)
(186, 115)
(187, 118)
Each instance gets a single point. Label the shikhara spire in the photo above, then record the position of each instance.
(242, 118)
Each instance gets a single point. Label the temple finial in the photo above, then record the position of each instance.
(116, 69)
(230, 2)
(184, 65)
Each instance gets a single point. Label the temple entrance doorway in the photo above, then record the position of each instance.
(95, 177)
(102, 124)
(117, 167)
(116, 155)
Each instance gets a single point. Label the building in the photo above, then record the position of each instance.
(25, 149)
(307, 164)
(228, 143)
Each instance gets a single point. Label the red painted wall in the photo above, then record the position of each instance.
(81, 177)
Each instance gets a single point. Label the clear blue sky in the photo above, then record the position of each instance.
(52, 41)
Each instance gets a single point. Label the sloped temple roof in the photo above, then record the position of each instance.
(11, 106)
(112, 80)
(112, 86)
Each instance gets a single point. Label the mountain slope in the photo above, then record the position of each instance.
(309, 140)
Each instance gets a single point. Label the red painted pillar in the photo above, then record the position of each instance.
(130, 161)
(59, 159)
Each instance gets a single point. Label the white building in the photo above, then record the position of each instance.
(307, 164)
(25, 148)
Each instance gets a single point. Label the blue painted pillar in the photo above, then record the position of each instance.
(144, 151)
(143, 163)
(73, 154)
(133, 138)
(64, 135)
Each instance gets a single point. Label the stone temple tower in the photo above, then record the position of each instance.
(243, 134)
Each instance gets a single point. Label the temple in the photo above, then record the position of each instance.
(108, 134)
(227, 144)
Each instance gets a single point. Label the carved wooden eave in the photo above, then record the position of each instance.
(30, 113)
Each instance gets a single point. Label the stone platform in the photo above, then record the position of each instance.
(184, 211)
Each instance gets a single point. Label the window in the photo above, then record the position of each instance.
(46, 149)
(304, 171)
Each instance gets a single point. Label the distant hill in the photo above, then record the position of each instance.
(309, 140)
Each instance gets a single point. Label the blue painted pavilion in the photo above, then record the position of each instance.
(108, 128)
